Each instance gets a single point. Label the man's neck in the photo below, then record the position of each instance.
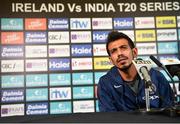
(130, 74)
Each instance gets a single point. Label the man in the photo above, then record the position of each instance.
(121, 89)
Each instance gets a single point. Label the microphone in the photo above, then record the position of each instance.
(158, 63)
(143, 67)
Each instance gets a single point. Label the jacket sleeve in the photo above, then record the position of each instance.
(165, 91)
(104, 96)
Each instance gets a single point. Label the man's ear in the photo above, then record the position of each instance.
(135, 52)
(110, 59)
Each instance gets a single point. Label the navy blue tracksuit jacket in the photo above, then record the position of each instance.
(115, 95)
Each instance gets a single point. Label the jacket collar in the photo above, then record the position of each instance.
(114, 73)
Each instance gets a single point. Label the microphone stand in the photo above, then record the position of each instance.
(147, 86)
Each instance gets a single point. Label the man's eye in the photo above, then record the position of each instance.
(124, 48)
(113, 50)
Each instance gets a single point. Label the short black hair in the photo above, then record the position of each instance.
(115, 35)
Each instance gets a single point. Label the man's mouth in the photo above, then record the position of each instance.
(121, 60)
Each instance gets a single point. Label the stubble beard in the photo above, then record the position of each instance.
(125, 68)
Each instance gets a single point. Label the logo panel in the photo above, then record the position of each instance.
(35, 24)
(102, 23)
(11, 24)
(59, 64)
(146, 48)
(58, 37)
(12, 110)
(60, 107)
(83, 106)
(12, 51)
(36, 37)
(58, 24)
(83, 92)
(80, 23)
(81, 63)
(16, 95)
(123, 23)
(36, 65)
(12, 65)
(80, 37)
(12, 38)
(62, 93)
(38, 94)
(166, 22)
(81, 50)
(37, 108)
(11, 81)
(60, 79)
(35, 80)
(102, 63)
(36, 51)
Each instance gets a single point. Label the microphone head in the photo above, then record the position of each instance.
(139, 59)
(156, 61)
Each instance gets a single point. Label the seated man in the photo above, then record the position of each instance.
(121, 89)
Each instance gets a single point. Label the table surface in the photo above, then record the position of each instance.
(98, 117)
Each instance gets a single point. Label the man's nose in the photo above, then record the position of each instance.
(119, 51)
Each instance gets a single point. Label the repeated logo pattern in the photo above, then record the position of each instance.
(52, 65)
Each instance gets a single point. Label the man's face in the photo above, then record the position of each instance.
(121, 55)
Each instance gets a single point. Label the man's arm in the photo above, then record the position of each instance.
(165, 91)
(105, 97)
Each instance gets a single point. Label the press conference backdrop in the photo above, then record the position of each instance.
(53, 52)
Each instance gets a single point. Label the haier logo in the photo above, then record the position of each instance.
(81, 50)
(100, 36)
(58, 24)
(60, 93)
(123, 23)
(59, 64)
(80, 23)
